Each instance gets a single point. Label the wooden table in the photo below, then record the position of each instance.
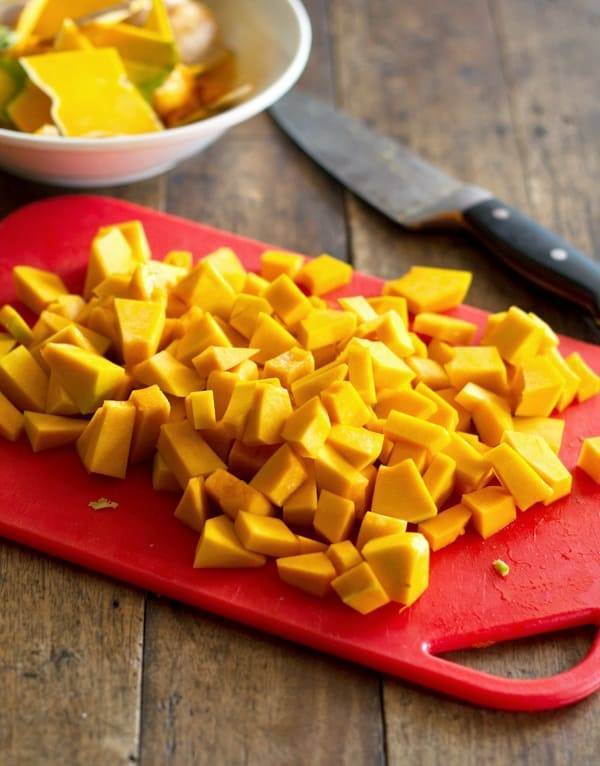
(500, 92)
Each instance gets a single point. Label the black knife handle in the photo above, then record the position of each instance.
(536, 253)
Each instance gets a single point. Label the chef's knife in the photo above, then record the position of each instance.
(414, 193)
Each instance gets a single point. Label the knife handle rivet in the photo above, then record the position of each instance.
(500, 213)
(558, 254)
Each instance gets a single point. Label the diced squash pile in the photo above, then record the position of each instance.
(347, 440)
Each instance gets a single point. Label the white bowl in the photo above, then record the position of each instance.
(271, 39)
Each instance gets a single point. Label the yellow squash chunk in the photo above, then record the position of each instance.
(311, 572)
(200, 409)
(7, 343)
(401, 492)
(589, 457)
(111, 254)
(30, 110)
(104, 445)
(51, 431)
(152, 410)
(477, 364)
(16, 325)
(201, 333)
(404, 400)
(344, 405)
(361, 373)
(271, 409)
(344, 556)
(402, 451)
(163, 478)
(37, 288)
(280, 476)
(401, 564)
(358, 446)
(266, 535)
(389, 370)
(550, 429)
(323, 274)
(44, 18)
(221, 358)
(300, 507)
(544, 462)
(192, 509)
(428, 372)
(90, 93)
(360, 589)
(220, 548)
(271, 338)
(383, 303)
(360, 307)
(539, 386)
(337, 475)
(431, 289)
(334, 517)
(307, 545)
(290, 366)
(207, 288)
(472, 468)
(325, 328)
(406, 428)
(445, 328)
(288, 302)
(377, 525)
(446, 527)
(445, 415)
(70, 38)
(590, 382)
(88, 378)
(518, 477)
(140, 325)
(11, 420)
(517, 336)
(273, 263)
(186, 453)
(311, 385)
(439, 478)
(492, 509)
(491, 421)
(168, 374)
(307, 428)
(571, 381)
(23, 381)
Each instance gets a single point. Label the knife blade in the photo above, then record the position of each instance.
(409, 190)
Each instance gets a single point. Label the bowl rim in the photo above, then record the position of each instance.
(217, 124)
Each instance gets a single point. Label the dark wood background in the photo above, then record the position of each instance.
(500, 92)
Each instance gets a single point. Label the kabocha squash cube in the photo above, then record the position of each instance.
(402, 451)
(401, 564)
(431, 289)
(401, 492)
(111, 254)
(538, 454)
(378, 525)
(271, 409)
(315, 382)
(220, 548)
(152, 410)
(163, 478)
(169, 374)
(445, 415)
(520, 479)
(150, 280)
(273, 263)
(517, 336)
(192, 509)
(389, 370)
(237, 412)
(37, 288)
(221, 358)
(446, 527)
(325, 328)
(7, 343)
(463, 416)
(492, 421)
(492, 509)
(428, 372)
(300, 507)
(324, 274)
(477, 364)
(589, 382)
(550, 429)
(539, 387)
(58, 401)
(439, 478)
(280, 476)
(207, 288)
(186, 453)
(334, 517)
(360, 589)
(140, 325)
(200, 409)
(245, 461)
(589, 458)
(361, 373)
(12, 321)
(440, 351)
(271, 338)
(88, 378)
(307, 428)
(311, 572)
(105, 443)
(344, 556)
(11, 420)
(422, 433)
(226, 262)
(383, 303)
(404, 400)
(445, 328)
(290, 366)
(344, 405)
(571, 381)
(337, 475)
(200, 333)
(308, 545)
(245, 312)
(254, 285)
(218, 440)
(358, 446)
(265, 534)
(51, 431)
(288, 301)
(360, 307)
(472, 468)
(22, 380)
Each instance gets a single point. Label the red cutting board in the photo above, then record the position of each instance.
(554, 552)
